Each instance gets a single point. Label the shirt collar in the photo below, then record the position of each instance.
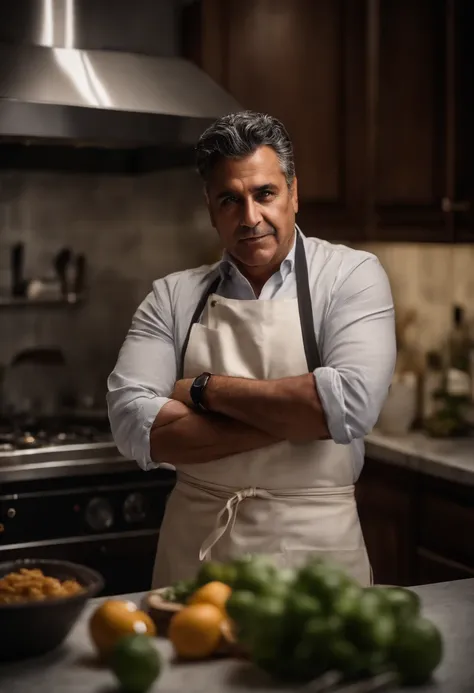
(227, 264)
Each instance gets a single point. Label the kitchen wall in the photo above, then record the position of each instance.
(429, 279)
(132, 230)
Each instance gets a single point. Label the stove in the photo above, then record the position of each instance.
(66, 492)
(29, 433)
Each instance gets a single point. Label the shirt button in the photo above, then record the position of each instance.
(213, 304)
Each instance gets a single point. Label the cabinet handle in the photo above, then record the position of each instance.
(448, 205)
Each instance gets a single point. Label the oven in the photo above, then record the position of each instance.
(108, 522)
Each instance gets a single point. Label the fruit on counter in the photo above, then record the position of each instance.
(196, 631)
(180, 591)
(417, 651)
(216, 593)
(114, 619)
(213, 571)
(136, 663)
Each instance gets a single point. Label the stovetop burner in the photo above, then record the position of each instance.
(30, 433)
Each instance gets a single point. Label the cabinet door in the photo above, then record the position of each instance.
(410, 180)
(385, 504)
(462, 45)
(303, 62)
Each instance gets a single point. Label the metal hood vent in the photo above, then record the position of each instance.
(101, 73)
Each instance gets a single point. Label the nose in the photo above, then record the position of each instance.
(251, 215)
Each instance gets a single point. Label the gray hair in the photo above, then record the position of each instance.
(240, 134)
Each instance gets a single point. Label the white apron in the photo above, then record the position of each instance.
(287, 500)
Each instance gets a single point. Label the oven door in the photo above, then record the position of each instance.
(124, 559)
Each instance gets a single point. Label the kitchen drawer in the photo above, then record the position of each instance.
(446, 520)
(431, 567)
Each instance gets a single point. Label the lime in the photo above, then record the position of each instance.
(369, 624)
(322, 580)
(256, 574)
(403, 603)
(136, 663)
(417, 651)
(213, 571)
(241, 606)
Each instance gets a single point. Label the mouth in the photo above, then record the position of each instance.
(255, 239)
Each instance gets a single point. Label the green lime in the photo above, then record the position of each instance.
(300, 608)
(136, 663)
(182, 590)
(369, 624)
(256, 574)
(241, 606)
(322, 580)
(417, 651)
(213, 571)
(403, 603)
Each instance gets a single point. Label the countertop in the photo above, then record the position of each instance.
(451, 458)
(449, 605)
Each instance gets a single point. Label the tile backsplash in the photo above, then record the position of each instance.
(133, 230)
(429, 279)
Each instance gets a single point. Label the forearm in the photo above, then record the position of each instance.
(288, 407)
(180, 435)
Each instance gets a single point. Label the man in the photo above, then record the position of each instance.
(258, 377)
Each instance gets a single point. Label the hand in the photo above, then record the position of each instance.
(181, 392)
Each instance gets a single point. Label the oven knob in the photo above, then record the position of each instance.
(135, 508)
(99, 514)
(11, 513)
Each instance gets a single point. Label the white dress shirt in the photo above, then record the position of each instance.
(355, 331)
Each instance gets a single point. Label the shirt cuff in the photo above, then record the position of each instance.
(148, 412)
(331, 394)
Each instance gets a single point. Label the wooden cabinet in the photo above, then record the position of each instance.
(303, 62)
(417, 528)
(409, 122)
(385, 497)
(378, 97)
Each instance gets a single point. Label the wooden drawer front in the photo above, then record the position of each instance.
(446, 522)
(433, 568)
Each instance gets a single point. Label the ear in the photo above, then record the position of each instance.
(294, 194)
(209, 208)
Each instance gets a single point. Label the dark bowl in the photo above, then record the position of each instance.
(28, 629)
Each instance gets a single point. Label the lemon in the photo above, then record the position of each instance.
(196, 631)
(136, 663)
(115, 618)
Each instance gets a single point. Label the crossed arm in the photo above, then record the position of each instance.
(244, 415)
(152, 422)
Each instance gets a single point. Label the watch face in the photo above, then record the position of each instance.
(200, 380)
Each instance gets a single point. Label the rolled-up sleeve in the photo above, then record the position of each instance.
(144, 376)
(358, 351)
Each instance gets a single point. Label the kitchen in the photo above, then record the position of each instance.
(385, 164)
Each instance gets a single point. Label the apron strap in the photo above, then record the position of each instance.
(211, 289)
(305, 306)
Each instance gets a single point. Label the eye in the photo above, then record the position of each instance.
(228, 200)
(265, 195)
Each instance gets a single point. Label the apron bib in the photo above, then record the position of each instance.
(287, 500)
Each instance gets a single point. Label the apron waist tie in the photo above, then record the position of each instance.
(226, 518)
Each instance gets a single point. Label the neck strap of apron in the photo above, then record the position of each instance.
(304, 306)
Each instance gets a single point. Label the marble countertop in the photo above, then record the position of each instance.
(72, 667)
(451, 459)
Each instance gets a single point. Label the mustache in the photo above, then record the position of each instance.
(243, 234)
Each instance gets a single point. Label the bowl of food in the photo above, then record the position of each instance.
(40, 601)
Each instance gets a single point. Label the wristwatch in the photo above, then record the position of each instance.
(197, 390)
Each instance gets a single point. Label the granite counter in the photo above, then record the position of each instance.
(72, 667)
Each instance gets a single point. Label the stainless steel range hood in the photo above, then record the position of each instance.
(101, 72)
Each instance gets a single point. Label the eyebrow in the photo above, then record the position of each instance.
(255, 189)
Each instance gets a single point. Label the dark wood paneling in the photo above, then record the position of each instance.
(410, 180)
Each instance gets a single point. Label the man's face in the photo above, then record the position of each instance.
(252, 208)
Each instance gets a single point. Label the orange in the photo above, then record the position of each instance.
(115, 618)
(195, 631)
(216, 593)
